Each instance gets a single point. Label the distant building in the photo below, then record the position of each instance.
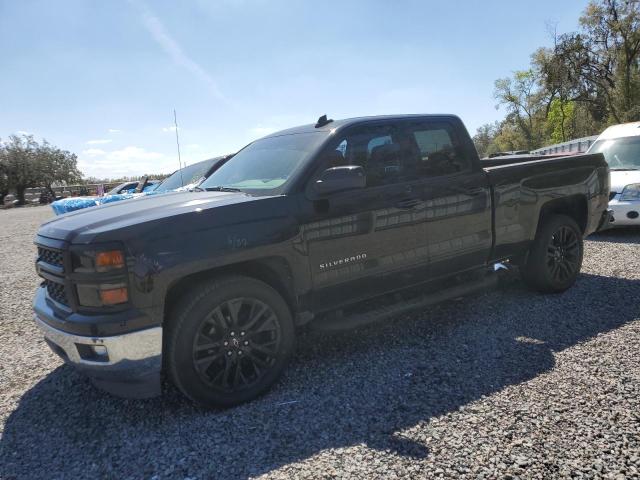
(577, 145)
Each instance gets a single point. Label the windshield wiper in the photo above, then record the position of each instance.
(222, 188)
(198, 189)
(624, 169)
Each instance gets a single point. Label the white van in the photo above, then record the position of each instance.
(620, 145)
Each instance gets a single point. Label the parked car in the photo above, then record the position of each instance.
(620, 145)
(184, 179)
(130, 187)
(304, 225)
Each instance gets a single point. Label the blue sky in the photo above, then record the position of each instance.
(101, 78)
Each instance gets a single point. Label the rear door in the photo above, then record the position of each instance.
(456, 197)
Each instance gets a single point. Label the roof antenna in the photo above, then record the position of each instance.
(175, 122)
(322, 121)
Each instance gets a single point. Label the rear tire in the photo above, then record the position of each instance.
(229, 341)
(555, 258)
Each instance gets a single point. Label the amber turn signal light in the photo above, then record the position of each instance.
(109, 260)
(114, 296)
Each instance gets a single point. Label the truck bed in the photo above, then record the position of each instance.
(520, 184)
(511, 159)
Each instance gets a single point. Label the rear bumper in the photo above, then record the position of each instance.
(127, 365)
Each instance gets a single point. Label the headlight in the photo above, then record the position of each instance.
(100, 276)
(99, 261)
(631, 193)
(109, 260)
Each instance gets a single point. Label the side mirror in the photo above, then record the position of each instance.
(336, 179)
(141, 184)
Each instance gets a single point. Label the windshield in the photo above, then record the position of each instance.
(186, 176)
(264, 166)
(123, 188)
(620, 153)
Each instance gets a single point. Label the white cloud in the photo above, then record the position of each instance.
(128, 154)
(170, 128)
(127, 161)
(114, 130)
(93, 152)
(99, 142)
(173, 49)
(23, 132)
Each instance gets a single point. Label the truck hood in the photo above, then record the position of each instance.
(622, 178)
(83, 225)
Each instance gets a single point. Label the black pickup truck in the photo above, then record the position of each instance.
(335, 224)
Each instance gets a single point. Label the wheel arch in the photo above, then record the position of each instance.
(274, 271)
(574, 206)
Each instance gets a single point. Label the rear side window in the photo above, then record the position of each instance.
(439, 152)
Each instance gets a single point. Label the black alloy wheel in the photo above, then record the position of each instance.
(555, 257)
(563, 254)
(228, 340)
(236, 344)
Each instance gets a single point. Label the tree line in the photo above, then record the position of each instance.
(589, 79)
(26, 163)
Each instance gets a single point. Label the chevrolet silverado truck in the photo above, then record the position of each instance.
(333, 224)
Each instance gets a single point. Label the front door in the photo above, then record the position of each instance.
(365, 242)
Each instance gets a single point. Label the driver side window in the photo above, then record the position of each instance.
(379, 150)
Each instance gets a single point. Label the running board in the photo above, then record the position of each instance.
(355, 320)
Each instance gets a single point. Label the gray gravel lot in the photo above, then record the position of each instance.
(505, 384)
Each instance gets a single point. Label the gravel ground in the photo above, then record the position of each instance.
(507, 384)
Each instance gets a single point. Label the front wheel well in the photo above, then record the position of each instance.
(274, 271)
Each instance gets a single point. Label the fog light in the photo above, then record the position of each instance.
(114, 296)
(93, 353)
(99, 350)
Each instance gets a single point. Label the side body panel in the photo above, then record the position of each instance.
(520, 192)
(364, 244)
(459, 229)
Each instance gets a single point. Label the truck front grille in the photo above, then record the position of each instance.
(52, 257)
(56, 291)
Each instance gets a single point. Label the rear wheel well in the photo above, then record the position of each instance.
(574, 207)
(273, 271)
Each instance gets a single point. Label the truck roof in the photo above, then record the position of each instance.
(631, 129)
(346, 122)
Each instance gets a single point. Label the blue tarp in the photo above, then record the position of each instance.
(71, 204)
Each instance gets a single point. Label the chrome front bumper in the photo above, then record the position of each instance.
(624, 214)
(127, 365)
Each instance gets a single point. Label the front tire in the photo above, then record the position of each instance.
(229, 341)
(555, 258)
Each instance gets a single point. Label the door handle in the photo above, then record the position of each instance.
(408, 203)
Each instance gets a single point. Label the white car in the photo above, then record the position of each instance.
(620, 145)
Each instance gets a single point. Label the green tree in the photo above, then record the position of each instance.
(587, 80)
(4, 180)
(484, 138)
(525, 103)
(613, 30)
(21, 166)
(560, 120)
(28, 164)
(56, 166)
